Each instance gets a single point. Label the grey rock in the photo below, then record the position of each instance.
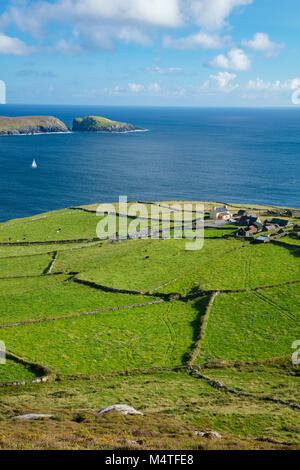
(122, 409)
(31, 416)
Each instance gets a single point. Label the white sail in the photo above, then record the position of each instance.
(34, 165)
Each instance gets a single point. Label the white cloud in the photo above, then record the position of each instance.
(9, 45)
(211, 14)
(222, 81)
(98, 24)
(68, 47)
(130, 34)
(135, 87)
(164, 13)
(165, 70)
(277, 85)
(157, 12)
(236, 59)
(262, 42)
(154, 87)
(201, 40)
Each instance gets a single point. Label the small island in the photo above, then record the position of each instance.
(101, 124)
(30, 125)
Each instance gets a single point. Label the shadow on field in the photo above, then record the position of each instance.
(200, 306)
(35, 369)
(293, 249)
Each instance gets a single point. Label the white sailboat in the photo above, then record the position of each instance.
(33, 164)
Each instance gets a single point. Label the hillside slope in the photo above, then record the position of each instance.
(195, 340)
(30, 125)
(101, 124)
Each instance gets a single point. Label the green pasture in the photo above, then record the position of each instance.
(149, 263)
(57, 298)
(23, 266)
(156, 335)
(252, 326)
(247, 267)
(13, 371)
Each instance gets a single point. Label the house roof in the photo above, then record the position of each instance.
(257, 224)
(280, 221)
(262, 238)
(222, 209)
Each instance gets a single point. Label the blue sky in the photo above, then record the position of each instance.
(150, 52)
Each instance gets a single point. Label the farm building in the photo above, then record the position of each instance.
(281, 222)
(241, 212)
(220, 213)
(269, 228)
(258, 225)
(248, 219)
(243, 232)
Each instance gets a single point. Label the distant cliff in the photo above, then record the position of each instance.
(101, 124)
(30, 125)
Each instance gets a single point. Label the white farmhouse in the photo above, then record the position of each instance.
(220, 213)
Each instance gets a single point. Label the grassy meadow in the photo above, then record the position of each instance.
(147, 323)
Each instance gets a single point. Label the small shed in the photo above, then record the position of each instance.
(269, 228)
(243, 232)
(280, 222)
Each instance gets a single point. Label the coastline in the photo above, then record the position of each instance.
(77, 132)
(91, 207)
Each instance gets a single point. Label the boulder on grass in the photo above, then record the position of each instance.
(31, 416)
(122, 409)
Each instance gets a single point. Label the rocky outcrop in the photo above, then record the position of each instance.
(101, 124)
(31, 125)
(122, 409)
(31, 416)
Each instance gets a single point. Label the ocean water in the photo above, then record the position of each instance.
(232, 155)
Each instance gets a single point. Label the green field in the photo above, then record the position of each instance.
(152, 264)
(156, 335)
(247, 267)
(252, 326)
(130, 321)
(22, 285)
(15, 371)
(58, 298)
(22, 266)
